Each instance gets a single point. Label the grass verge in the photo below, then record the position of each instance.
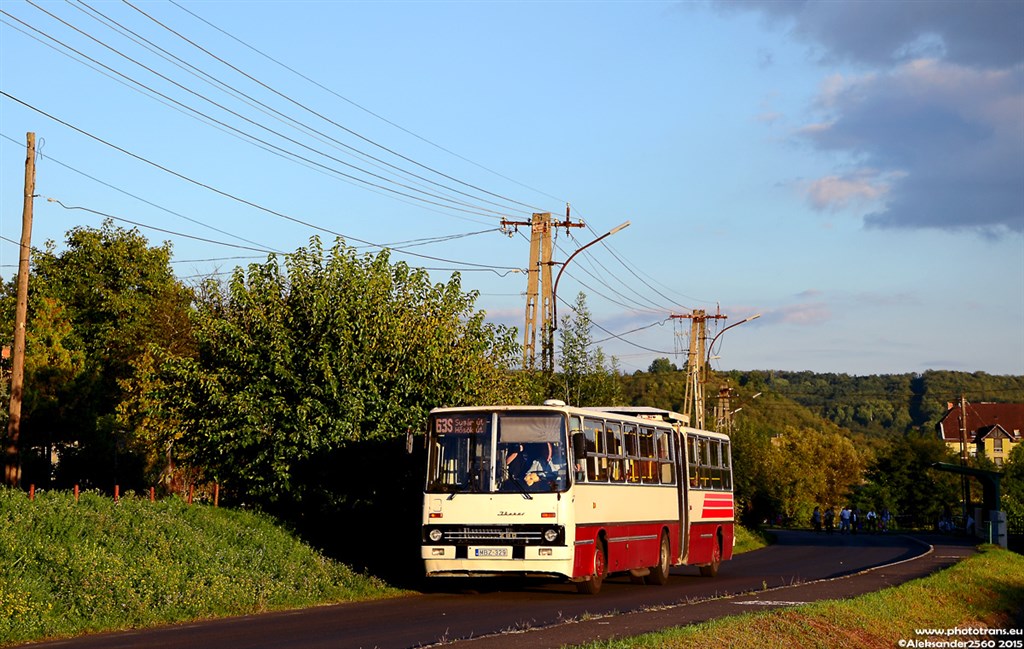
(96, 565)
(747, 540)
(985, 590)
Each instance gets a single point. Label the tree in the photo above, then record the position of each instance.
(662, 366)
(903, 473)
(93, 309)
(299, 361)
(586, 379)
(1013, 483)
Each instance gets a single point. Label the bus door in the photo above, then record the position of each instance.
(683, 494)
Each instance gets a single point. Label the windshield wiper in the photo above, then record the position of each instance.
(522, 488)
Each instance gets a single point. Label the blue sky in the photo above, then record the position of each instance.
(854, 172)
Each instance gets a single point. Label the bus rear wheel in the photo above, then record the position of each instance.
(711, 570)
(592, 586)
(659, 573)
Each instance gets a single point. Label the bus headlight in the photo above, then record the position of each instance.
(550, 535)
(435, 535)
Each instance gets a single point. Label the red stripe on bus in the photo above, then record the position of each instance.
(717, 513)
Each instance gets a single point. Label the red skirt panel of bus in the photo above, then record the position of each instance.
(627, 545)
(704, 538)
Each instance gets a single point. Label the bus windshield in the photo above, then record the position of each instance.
(525, 452)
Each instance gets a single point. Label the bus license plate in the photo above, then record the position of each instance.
(491, 553)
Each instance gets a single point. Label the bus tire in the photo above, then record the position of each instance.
(711, 569)
(659, 573)
(592, 586)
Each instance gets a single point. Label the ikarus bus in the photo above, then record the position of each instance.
(574, 493)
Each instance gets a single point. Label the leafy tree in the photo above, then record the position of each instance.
(902, 479)
(587, 378)
(93, 309)
(662, 366)
(1013, 483)
(297, 362)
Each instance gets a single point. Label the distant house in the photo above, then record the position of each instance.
(991, 429)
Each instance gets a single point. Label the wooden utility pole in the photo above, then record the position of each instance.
(965, 485)
(12, 456)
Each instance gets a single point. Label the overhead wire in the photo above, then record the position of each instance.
(230, 196)
(153, 227)
(592, 274)
(358, 135)
(229, 132)
(479, 211)
(263, 107)
(633, 270)
(143, 200)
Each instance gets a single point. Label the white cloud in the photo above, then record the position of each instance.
(833, 193)
(935, 124)
(949, 141)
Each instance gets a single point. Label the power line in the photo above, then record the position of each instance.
(263, 107)
(232, 196)
(153, 227)
(325, 118)
(364, 109)
(150, 203)
(480, 211)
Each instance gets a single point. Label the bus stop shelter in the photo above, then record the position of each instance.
(991, 497)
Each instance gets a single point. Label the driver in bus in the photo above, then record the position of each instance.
(531, 463)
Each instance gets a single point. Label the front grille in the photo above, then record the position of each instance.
(493, 535)
(477, 534)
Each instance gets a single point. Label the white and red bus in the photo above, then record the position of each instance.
(574, 493)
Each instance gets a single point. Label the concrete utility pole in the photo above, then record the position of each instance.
(693, 402)
(540, 295)
(12, 456)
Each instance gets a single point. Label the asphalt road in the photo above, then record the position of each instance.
(800, 567)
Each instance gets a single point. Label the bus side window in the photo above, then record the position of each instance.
(597, 467)
(666, 469)
(648, 463)
(715, 448)
(727, 466)
(704, 459)
(633, 469)
(694, 462)
(616, 462)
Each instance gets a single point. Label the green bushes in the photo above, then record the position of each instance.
(96, 565)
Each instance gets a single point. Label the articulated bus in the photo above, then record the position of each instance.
(574, 493)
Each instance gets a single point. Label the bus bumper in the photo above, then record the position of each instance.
(452, 561)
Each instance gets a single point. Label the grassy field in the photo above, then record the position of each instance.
(72, 568)
(986, 590)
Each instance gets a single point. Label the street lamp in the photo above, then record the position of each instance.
(736, 324)
(549, 338)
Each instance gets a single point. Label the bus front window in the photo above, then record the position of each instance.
(460, 453)
(531, 452)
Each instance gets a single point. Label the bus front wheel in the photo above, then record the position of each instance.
(592, 586)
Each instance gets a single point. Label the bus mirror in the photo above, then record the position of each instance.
(579, 446)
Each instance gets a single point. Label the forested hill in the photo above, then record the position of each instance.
(876, 405)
